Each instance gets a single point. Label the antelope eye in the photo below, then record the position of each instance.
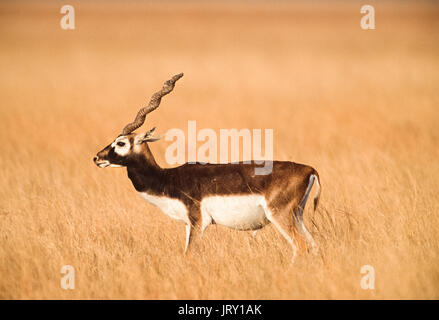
(120, 144)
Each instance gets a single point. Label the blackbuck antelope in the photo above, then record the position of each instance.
(226, 194)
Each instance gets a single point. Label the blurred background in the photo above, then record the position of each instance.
(360, 106)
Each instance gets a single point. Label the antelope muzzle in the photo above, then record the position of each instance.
(101, 159)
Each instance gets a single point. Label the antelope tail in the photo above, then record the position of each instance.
(315, 175)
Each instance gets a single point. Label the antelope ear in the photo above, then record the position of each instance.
(149, 136)
(156, 138)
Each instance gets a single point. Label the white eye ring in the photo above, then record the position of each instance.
(120, 144)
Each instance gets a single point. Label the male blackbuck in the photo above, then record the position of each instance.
(225, 194)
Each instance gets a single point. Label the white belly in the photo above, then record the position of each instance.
(174, 208)
(244, 212)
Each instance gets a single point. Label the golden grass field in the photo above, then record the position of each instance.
(362, 107)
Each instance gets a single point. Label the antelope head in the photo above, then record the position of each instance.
(129, 146)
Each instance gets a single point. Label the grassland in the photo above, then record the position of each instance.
(362, 107)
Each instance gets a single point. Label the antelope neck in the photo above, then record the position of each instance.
(146, 175)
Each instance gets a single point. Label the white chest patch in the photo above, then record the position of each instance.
(173, 208)
(238, 212)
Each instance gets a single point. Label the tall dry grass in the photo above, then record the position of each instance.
(359, 106)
